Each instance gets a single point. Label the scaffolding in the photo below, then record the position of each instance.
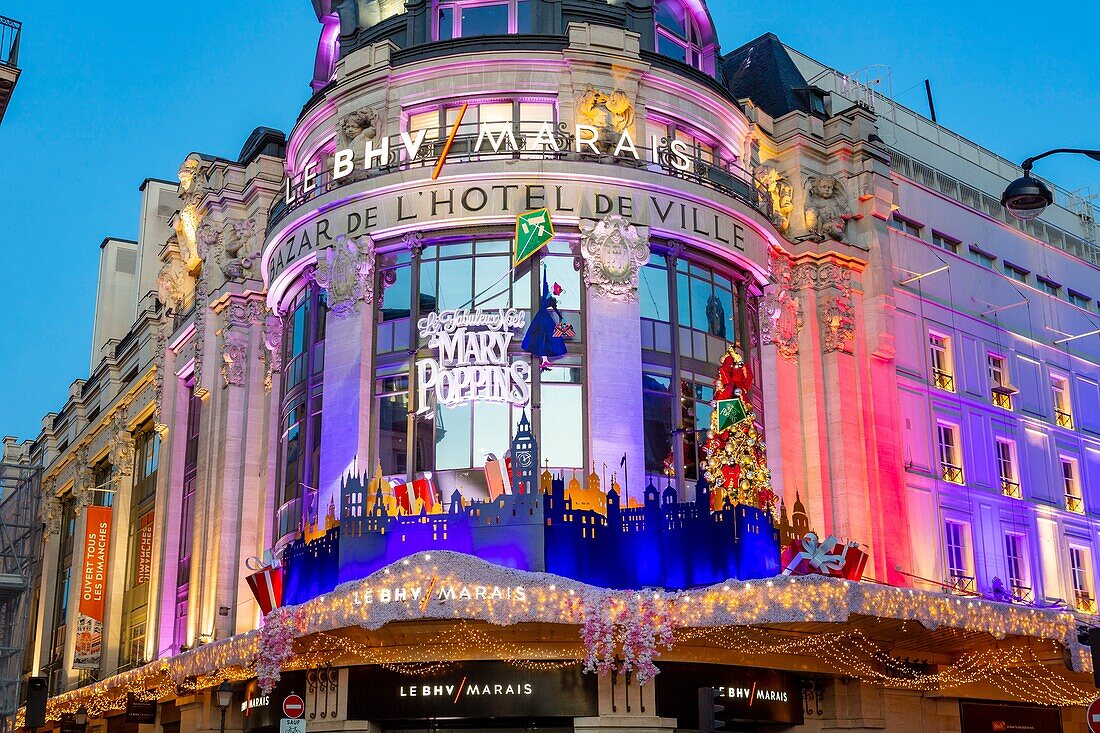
(20, 549)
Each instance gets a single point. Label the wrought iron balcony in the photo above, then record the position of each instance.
(951, 473)
(1011, 489)
(9, 59)
(1063, 419)
(1084, 602)
(962, 585)
(943, 380)
(1075, 504)
(1001, 396)
(1021, 593)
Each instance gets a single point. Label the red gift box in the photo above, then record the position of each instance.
(267, 587)
(424, 489)
(855, 559)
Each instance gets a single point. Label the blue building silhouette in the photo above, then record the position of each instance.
(664, 543)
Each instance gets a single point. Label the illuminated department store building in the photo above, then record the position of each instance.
(265, 386)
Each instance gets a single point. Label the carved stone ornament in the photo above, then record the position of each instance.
(122, 447)
(171, 284)
(160, 365)
(777, 195)
(192, 181)
(272, 353)
(51, 509)
(346, 272)
(234, 355)
(353, 132)
(614, 252)
(273, 340)
(612, 114)
(235, 250)
(781, 316)
(83, 484)
(838, 324)
(200, 335)
(827, 211)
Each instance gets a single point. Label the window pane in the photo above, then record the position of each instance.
(397, 296)
(455, 284)
(496, 115)
(561, 406)
(657, 411)
(525, 21)
(653, 293)
(492, 430)
(668, 47)
(428, 121)
(491, 282)
(683, 299)
(701, 293)
(446, 23)
(452, 437)
(532, 115)
(670, 16)
(560, 270)
(483, 20)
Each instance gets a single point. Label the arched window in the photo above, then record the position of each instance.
(678, 35)
(465, 18)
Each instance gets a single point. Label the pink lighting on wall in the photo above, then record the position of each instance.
(328, 50)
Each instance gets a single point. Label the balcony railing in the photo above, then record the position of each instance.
(1002, 396)
(1074, 504)
(725, 177)
(1022, 593)
(943, 380)
(1084, 602)
(1063, 419)
(962, 585)
(951, 473)
(1011, 489)
(9, 41)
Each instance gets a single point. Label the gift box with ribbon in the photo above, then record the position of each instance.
(266, 583)
(830, 556)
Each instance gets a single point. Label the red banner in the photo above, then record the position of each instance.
(145, 549)
(93, 588)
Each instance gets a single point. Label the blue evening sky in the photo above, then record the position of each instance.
(112, 94)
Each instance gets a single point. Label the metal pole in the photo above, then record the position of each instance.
(223, 720)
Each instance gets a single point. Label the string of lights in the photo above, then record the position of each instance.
(453, 586)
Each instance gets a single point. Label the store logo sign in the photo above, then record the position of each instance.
(468, 688)
(471, 362)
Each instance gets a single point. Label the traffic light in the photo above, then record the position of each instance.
(708, 711)
(37, 692)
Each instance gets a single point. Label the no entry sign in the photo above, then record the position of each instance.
(293, 706)
(1092, 717)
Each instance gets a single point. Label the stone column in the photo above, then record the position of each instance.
(613, 359)
(41, 624)
(625, 707)
(781, 322)
(236, 420)
(346, 272)
(122, 483)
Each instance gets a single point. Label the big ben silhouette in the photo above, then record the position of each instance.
(525, 458)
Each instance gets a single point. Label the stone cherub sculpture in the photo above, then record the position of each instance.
(827, 211)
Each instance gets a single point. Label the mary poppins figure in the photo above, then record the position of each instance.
(542, 338)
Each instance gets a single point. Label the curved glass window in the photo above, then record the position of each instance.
(690, 312)
(678, 35)
(465, 18)
(454, 443)
(300, 445)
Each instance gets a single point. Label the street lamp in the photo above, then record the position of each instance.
(224, 695)
(81, 717)
(1027, 197)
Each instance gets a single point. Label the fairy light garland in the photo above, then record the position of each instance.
(455, 586)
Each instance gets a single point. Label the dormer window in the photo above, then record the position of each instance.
(465, 18)
(678, 35)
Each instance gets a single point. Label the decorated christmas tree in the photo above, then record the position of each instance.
(736, 461)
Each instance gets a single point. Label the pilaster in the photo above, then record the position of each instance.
(625, 707)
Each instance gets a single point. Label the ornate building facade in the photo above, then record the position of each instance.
(334, 336)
